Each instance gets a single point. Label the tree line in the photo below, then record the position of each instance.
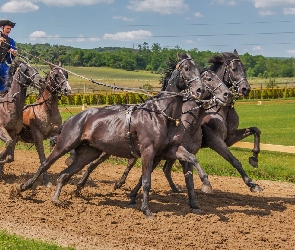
(150, 58)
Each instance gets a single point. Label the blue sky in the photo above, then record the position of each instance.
(259, 27)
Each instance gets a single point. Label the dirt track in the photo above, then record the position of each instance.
(232, 217)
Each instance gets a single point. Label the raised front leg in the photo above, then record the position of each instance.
(216, 143)
(239, 135)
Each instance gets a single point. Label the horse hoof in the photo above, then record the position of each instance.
(148, 215)
(69, 161)
(48, 184)
(256, 189)
(207, 188)
(253, 161)
(196, 210)
(78, 193)
(22, 187)
(131, 204)
(117, 186)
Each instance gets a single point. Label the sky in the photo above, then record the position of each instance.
(258, 27)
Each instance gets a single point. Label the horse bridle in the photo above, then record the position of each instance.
(187, 82)
(58, 84)
(22, 69)
(235, 84)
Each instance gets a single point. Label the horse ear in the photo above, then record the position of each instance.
(59, 64)
(51, 65)
(236, 53)
(178, 56)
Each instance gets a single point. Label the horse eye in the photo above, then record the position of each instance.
(209, 79)
(186, 69)
(234, 69)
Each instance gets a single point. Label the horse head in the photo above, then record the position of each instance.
(25, 74)
(185, 77)
(216, 90)
(57, 80)
(233, 72)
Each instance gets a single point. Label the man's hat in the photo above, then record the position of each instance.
(7, 23)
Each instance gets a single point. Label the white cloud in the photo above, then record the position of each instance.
(289, 11)
(266, 13)
(272, 3)
(198, 14)
(189, 41)
(123, 18)
(129, 35)
(291, 52)
(164, 7)
(41, 35)
(18, 7)
(257, 48)
(227, 2)
(73, 2)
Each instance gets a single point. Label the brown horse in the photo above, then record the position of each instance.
(42, 119)
(21, 75)
(148, 131)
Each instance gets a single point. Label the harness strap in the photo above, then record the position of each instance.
(129, 135)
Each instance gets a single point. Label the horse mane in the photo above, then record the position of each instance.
(202, 69)
(218, 60)
(171, 64)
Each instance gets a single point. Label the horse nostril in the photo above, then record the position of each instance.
(245, 91)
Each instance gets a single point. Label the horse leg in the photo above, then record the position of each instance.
(122, 180)
(84, 155)
(240, 134)
(217, 144)
(38, 141)
(189, 181)
(7, 154)
(147, 157)
(134, 192)
(167, 169)
(62, 147)
(88, 171)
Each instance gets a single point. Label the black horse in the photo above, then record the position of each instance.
(193, 113)
(149, 131)
(219, 126)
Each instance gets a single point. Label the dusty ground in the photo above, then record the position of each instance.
(232, 217)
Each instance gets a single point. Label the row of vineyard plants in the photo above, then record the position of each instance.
(110, 98)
